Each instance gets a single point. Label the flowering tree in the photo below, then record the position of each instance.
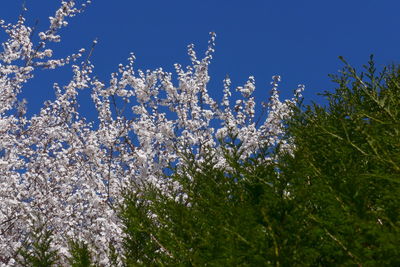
(59, 170)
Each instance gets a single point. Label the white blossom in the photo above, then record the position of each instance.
(57, 167)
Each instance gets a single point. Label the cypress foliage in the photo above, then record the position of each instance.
(80, 254)
(37, 250)
(220, 217)
(333, 201)
(345, 171)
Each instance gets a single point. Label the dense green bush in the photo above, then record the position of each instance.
(334, 201)
(37, 251)
(345, 172)
(222, 217)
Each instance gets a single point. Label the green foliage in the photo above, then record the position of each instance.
(80, 254)
(333, 201)
(38, 252)
(221, 217)
(138, 244)
(345, 171)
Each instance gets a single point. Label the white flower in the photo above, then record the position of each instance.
(59, 167)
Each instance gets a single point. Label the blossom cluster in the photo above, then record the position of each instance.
(59, 169)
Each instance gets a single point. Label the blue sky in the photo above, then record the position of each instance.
(299, 40)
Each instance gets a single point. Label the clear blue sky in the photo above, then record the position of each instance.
(299, 40)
